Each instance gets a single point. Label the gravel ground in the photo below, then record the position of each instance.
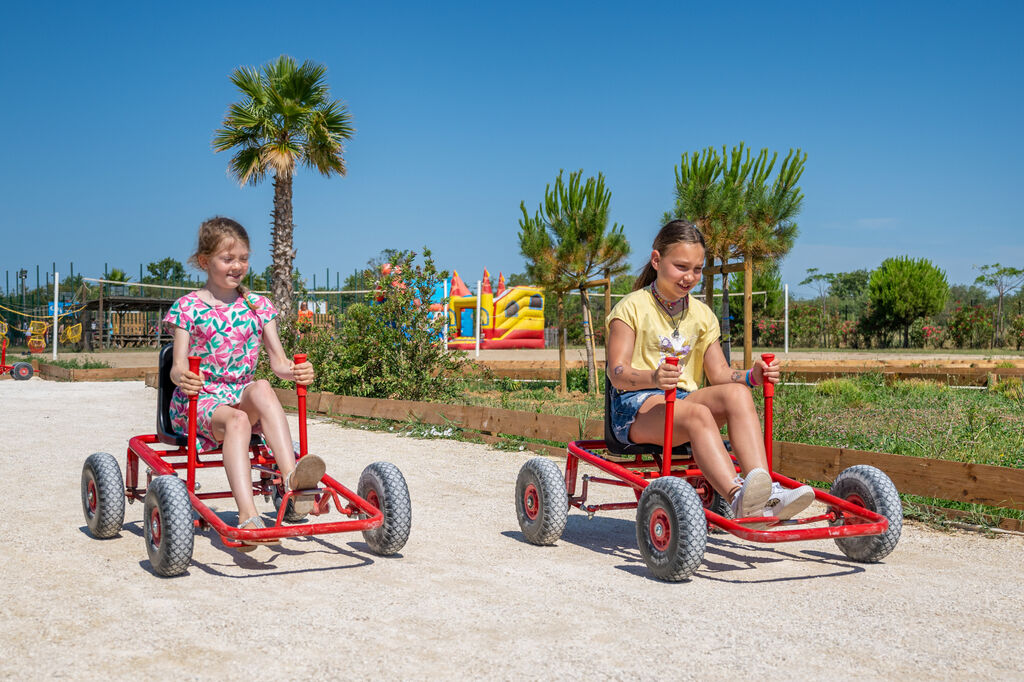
(466, 596)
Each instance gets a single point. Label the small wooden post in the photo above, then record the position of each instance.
(100, 321)
(607, 295)
(748, 312)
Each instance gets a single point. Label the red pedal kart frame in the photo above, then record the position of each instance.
(20, 371)
(676, 505)
(173, 507)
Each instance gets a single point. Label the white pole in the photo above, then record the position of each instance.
(479, 296)
(56, 286)
(444, 333)
(785, 291)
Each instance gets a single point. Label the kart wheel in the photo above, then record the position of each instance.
(167, 524)
(290, 516)
(712, 501)
(382, 485)
(22, 371)
(870, 488)
(102, 495)
(542, 503)
(671, 529)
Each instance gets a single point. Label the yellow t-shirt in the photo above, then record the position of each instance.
(698, 329)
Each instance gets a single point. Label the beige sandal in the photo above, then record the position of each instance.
(251, 523)
(307, 474)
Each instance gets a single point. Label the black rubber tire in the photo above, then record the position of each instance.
(722, 508)
(22, 371)
(674, 551)
(542, 503)
(168, 527)
(290, 516)
(102, 495)
(879, 495)
(384, 481)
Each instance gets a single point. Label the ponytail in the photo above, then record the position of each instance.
(672, 233)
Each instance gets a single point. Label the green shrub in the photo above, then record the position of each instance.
(1010, 387)
(920, 388)
(970, 327)
(847, 392)
(387, 348)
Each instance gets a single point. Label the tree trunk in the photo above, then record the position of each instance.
(906, 335)
(281, 247)
(588, 341)
(726, 331)
(709, 281)
(560, 308)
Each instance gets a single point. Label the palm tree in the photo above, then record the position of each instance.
(567, 243)
(286, 118)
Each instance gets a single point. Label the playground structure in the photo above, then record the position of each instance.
(675, 504)
(513, 317)
(174, 508)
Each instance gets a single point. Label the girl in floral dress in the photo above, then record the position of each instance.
(224, 324)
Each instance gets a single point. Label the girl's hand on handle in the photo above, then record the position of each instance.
(302, 372)
(190, 383)
(666, 376)
(763, 372)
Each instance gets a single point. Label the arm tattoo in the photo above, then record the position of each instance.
(618, 370)
(737, 377)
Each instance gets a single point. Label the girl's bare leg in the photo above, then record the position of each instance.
(232, 426)
(698, 419)
(260, 403)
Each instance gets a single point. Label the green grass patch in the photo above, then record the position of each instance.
(77, 363)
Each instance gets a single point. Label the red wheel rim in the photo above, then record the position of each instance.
(91, 497)
(704, 490)
(154, 528)
(371, 497)
(531, 502)
(660, 530)
(852, 498)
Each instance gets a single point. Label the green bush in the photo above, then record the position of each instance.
(847, 392)
(970, 327)
(1016, 334)
(387, 348)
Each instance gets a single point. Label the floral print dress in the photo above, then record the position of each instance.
(227, 338)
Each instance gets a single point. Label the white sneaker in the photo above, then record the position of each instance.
(753, 496)
(785, 503)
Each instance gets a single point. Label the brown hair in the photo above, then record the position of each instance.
(672, 233)
(212, 234)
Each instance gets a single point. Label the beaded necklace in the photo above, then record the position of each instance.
(680, 306)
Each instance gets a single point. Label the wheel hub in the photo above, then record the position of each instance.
(154, 528)
(531, 502)
(661, 530)
(91, 497)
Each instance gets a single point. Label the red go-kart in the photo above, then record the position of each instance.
(174, 507)
(676, 505)
(20, 371)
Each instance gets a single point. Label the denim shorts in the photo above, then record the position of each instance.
(626, 404)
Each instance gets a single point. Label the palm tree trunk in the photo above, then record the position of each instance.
(588, 341)
(281, 247)
(726, 331)
(560, 307)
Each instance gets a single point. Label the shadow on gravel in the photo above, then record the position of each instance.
(310, 545)
(724, 557)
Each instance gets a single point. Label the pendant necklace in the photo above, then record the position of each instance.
(667, 306)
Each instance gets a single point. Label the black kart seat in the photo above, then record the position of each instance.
(164, 392)
(617, 447)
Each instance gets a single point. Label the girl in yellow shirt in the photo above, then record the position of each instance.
(661, 318)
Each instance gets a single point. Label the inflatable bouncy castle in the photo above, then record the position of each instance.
(513, 317)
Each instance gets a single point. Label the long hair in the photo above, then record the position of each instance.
(212, 234)
(672, 233)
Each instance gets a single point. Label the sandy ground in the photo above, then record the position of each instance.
(467, 596)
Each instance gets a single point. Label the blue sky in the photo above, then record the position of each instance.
(909, 113)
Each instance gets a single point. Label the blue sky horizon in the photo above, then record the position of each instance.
(908, 113)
